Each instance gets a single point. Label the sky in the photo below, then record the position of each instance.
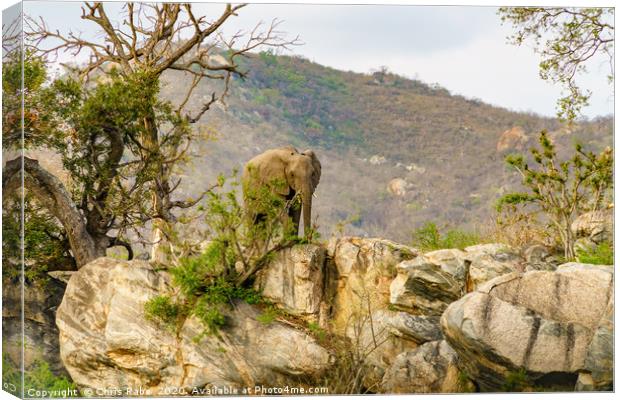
(462, 48)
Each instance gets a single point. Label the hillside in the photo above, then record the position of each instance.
(445, 151)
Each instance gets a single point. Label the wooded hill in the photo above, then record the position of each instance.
(369, 129)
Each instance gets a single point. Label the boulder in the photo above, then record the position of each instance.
(599, 363)
(429, 282)
(540, 323)
(389, 334)
(488, 261)
(430, 368)
(540, 258)
(598, 226)
(360, 271)
(293, 280)
(512, 139)
(110, 349)
(397, 187)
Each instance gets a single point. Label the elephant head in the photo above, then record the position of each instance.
(296, 174)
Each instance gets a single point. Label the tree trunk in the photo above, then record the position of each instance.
(51, 193)
(161, 196)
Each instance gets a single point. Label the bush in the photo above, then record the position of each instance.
(602, 254)
(428, 238)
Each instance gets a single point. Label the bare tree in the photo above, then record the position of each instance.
(148, 41)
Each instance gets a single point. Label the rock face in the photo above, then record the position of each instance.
(430, 368)
(428, 283)
(294, 280)
(40, 336)
(542, 322)
(360, 273)
(106, 344)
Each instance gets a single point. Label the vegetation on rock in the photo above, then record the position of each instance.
(428, 238)
(237, 248)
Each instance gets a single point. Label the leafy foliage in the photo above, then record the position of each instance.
(45, 246)
(163, 310)
(566, 38)
(562, 190)
(39, 128)
(428, 237)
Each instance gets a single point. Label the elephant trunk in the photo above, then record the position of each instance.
(307, 209)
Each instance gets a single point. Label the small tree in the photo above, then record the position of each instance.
(562, 190)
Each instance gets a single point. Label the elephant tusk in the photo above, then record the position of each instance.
(314, 195)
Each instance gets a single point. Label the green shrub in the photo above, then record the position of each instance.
(602, 254)
(162, 309)
(268, 316)
(428, 237)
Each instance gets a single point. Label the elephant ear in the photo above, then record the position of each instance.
(316, 176)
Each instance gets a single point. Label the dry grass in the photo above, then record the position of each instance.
(519, 230)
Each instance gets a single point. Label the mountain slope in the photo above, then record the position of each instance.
(446, 152)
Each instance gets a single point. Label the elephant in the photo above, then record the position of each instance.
(287, 173)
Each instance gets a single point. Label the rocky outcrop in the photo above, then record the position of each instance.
(444, 321)
(359, 277)
(512, 139)
(599, 362)
(107, 344)
(539, 322)
(430, 368)
(428, 283)
(293, 280)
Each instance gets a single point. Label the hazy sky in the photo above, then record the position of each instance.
(462, 48)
